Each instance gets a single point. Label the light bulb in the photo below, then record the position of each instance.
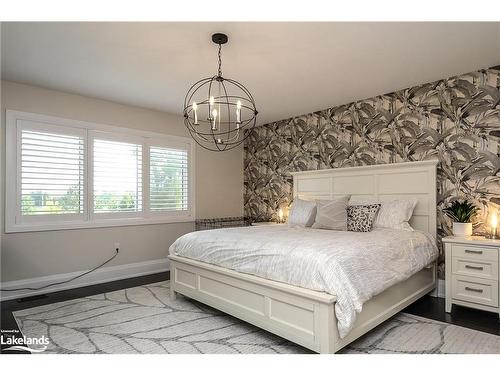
(195, 107)
(238, 114)
(494, 220)
(214, 119)
(280, 215)
(494, 223)
(212, 100)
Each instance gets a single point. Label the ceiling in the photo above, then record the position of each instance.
(290, 68)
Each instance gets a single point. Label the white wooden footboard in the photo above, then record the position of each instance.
(303, 316)
(300, 315)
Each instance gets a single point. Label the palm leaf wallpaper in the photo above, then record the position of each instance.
(455, 120)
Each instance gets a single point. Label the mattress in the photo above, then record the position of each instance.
(353, 266)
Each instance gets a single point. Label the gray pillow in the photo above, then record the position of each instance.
(331, 214)
(360, 218)
(302, 212)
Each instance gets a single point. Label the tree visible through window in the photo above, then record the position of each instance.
(117, 176)
(168, 179)
(51, 173)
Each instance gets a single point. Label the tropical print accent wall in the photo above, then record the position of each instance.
(455, 120)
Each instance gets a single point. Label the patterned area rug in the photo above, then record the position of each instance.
(145, 320)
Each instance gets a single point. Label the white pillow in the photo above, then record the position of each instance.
(302, 213)
(393, 214)
(331, 214)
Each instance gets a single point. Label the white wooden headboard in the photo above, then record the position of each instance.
(382, 182)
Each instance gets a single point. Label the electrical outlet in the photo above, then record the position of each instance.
(117, 247)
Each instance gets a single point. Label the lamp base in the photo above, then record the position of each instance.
(493, 234)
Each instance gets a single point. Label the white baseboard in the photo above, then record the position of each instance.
(99, 276)
(440, 290)
(109, 274)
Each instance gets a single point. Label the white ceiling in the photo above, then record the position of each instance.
(290, 68)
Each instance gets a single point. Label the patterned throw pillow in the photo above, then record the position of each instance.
(360, 218)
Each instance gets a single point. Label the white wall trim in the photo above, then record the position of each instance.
(102, 275)
(110, 274)
(15, 222)
(440, 290)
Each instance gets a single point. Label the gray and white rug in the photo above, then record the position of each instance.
(145, 320)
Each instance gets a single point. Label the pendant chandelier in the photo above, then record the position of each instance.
(218, 111)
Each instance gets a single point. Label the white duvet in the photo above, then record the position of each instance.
(352, 266)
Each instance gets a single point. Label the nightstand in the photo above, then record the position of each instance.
(472, 272)
(259, 223)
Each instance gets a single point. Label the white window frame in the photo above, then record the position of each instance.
(104, 216)
(145, 184)
(40, 126)
(15, 222)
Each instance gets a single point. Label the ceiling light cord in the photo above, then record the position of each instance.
(65, 281)
(219, 72)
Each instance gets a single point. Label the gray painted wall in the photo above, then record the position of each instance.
(219, 191)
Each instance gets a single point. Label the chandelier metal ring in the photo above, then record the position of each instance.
(219, 112)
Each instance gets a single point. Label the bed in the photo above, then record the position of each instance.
(305, 312)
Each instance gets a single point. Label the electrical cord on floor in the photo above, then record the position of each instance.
(65, 281)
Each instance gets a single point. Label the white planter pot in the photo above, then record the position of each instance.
(462, 229)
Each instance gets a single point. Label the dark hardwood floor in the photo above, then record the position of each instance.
(433, 308)
(427, 307)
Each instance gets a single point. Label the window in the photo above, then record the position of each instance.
(168, 179)
(64, 174)
(51, 172)
(117, 176)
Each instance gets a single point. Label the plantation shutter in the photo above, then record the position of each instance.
(117, 176)
(66, 174)
(168, 179)
(52, 172)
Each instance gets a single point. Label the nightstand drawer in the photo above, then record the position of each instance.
(475, 290)
(475, 252)
(468, 267)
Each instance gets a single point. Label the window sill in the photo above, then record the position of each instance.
(108, 223)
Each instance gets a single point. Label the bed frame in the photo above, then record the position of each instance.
(305, 316)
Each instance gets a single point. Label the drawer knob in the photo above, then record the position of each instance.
(477, 290)
(474, 251)
(474, 267)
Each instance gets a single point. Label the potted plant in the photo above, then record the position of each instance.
(461, 213)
